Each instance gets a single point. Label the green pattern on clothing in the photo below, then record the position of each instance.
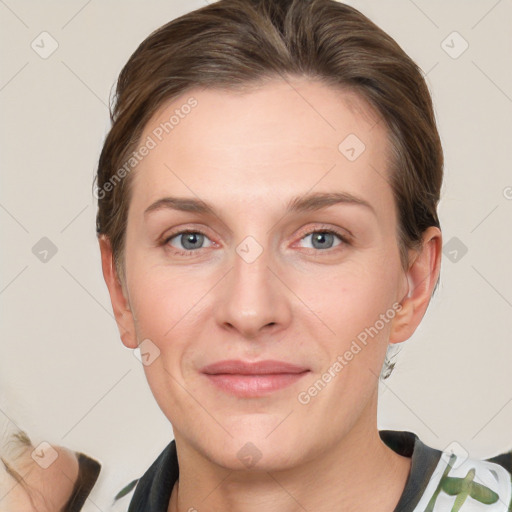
(462, 488)
(126, 490)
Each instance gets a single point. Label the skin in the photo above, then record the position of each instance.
(45, 490)
(247, 155)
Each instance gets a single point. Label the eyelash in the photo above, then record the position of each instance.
(318, 229)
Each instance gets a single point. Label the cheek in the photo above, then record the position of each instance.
(349, 298)
(353, 318)
(158, 306)
(165, 304)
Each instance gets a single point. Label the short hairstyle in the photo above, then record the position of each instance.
(236, 44)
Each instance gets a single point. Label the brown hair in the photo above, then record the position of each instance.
(233, 44)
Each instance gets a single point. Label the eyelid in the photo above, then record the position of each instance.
(188, 228)
(168, 237)
(344, 234)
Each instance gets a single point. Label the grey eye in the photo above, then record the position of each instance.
(322, 239)
(188, 240)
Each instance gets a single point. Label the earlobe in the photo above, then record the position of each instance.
(120, 303)
(421, 279)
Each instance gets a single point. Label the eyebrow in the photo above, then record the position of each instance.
(308, 202)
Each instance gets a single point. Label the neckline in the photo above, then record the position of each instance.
(154, 489)
(424, 460)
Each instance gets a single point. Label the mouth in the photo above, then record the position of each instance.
(245, 379)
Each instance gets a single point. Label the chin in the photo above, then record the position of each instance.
(254, 457)
(257, 449)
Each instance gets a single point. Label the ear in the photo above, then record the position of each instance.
(118, 296)
(421, 279)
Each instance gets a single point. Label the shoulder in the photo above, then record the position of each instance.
(465, 484)
(441, 481)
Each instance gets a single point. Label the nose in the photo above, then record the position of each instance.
(253, 299)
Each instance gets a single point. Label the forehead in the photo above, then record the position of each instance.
(283, 136)
(42, 488)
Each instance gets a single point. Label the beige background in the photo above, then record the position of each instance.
(64, 374)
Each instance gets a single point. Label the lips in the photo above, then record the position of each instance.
(238, 367)
(251, 380)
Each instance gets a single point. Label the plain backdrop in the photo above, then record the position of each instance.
(65, 376)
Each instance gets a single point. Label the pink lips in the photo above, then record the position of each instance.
(246, 379)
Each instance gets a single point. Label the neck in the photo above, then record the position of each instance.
(357, 474)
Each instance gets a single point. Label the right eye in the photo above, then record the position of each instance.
(190, 241)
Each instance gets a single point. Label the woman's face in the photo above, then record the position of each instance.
(258, 278)
(45, 488)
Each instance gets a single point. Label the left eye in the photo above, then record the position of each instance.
(190, 240)
(323, 239)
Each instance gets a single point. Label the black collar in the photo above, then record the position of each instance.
(153, 490)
